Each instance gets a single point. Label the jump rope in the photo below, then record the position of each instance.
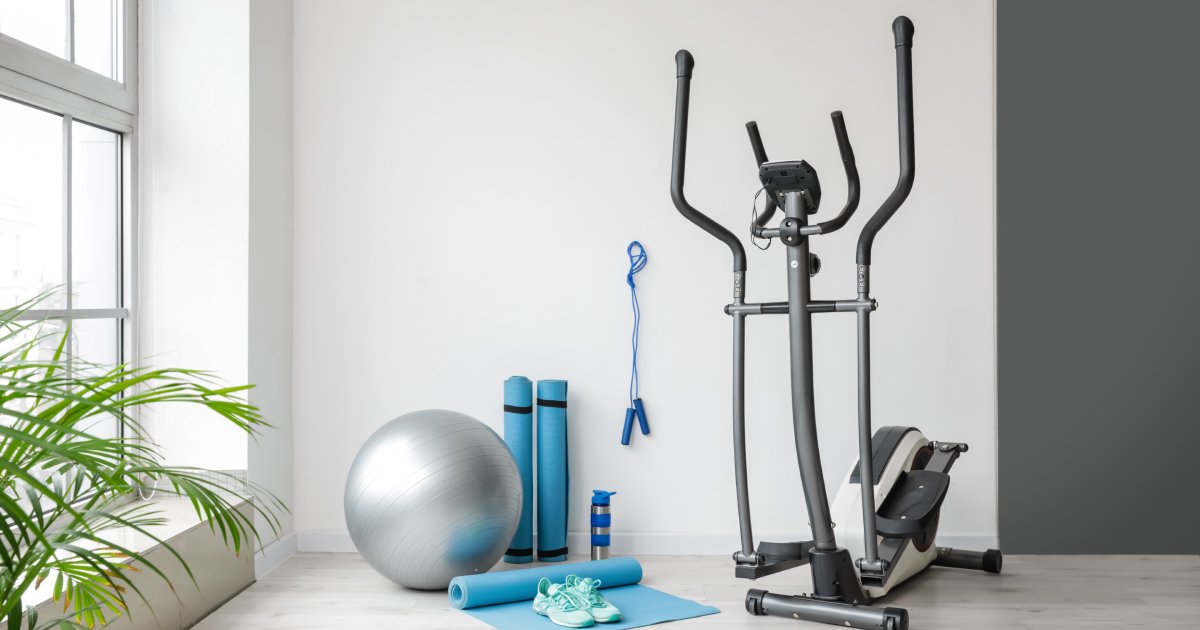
(637, 262)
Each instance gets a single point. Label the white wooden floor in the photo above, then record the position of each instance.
(314, 591)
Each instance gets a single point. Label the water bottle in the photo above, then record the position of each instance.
(601, 524)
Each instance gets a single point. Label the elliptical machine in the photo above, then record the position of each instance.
(884, 545)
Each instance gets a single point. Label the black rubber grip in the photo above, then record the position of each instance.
(903, 29)
(684, 64)
(843, 138)
(756, 143)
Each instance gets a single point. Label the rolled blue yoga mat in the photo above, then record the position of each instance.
(503, 599)
(518, 434)
(518, 585)
(553, 477)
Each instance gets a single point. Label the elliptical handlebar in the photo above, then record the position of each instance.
(756, 143)
(852, 187)
(760, 158)
(903, 29)
(683, 80)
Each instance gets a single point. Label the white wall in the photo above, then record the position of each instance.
(468, 174)
(216, 227)
(270, 262)
(194, 205)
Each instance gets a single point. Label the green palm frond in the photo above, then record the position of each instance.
(65, 490)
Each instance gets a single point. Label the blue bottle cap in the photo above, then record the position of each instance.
(600, 497)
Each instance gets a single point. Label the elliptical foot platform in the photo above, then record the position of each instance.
(775, 557)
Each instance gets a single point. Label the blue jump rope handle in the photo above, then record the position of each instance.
(628, 430)
(643, 424)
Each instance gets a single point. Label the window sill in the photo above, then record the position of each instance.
(219, 572)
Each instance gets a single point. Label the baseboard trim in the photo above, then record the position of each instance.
(274, 554)
(632, 543)
(325, 541)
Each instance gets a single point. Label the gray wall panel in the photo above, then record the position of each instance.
(1098, 143)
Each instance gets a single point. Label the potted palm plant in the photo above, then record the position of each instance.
(66, 489)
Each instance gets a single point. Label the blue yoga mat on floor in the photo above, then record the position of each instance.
(504, 599)
(553, 476)
(518, 434)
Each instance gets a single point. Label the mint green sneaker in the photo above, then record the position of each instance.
(588, 590)
(561, 605)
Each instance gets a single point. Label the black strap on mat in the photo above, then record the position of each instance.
(551, 553)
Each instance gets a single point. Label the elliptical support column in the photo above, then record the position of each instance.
(746, 554)
(804, 415)
(870, 561)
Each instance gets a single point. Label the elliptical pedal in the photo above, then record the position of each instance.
(912, 505)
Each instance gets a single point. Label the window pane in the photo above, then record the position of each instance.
(98, 36)
(40, 23)
(34, 342)
(31, 204)
(95, 216)
(97, 342)
(37, 338)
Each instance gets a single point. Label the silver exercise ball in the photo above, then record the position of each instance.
(431, 495)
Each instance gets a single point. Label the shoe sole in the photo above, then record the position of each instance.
(559, 623)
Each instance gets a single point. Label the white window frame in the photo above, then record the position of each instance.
(34, 77)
